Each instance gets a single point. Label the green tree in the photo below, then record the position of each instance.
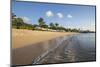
(45, 26)
(41, 22)
(56, 24)
(51, 25)
(35, 25)
(17, 22)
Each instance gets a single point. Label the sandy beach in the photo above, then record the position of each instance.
(21, 37)
(28, 45)
(32, 47)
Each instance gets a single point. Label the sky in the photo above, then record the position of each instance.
(67, 15)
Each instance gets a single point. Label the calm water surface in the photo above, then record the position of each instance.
(87, 41)
(78, 48)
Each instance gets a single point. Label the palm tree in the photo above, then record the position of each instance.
(51, 25)
(56, 24)
(41, 22)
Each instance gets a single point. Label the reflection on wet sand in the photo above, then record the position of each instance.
(71, 50)
(34, 53)
(58, 50)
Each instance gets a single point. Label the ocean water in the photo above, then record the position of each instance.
(87, 41)
(77, 48)
(87, 49)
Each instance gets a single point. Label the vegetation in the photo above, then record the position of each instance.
(18, 23)
(41, 23)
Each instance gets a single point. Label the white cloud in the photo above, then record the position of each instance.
(69, 16)
(60, 15)
(26, 20)
(49, 14)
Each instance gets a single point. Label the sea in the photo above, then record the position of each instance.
(77, 48)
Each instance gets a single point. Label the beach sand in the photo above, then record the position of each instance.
(21, 37)
(28, 45)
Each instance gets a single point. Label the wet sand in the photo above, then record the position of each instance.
(71, 50)
(27, 45)
(59, 47)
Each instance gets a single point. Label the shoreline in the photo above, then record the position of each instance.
(22, 37)
(39, 53)
(34, 51)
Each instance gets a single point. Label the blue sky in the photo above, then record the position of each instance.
(69, 16)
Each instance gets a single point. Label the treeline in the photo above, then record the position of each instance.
(18, 23)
